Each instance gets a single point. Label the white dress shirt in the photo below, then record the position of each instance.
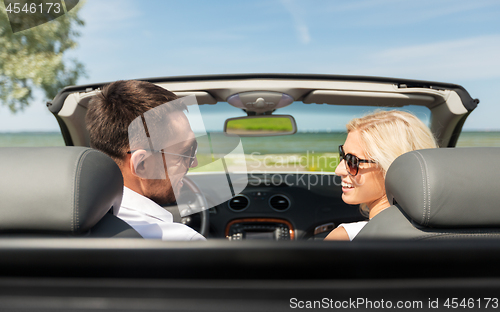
(151, 220)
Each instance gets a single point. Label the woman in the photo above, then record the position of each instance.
(373, 143)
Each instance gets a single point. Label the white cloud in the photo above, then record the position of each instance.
(109, 15)
(346, 6)
(377, 13)
(463, 59)
(298, 21)
(220, 35)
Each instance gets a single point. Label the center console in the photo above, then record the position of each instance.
(260, 228)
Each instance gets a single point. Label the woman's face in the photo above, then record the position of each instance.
(368, 186)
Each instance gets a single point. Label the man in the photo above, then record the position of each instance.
(142, 127)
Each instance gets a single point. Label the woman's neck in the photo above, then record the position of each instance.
(378, 205)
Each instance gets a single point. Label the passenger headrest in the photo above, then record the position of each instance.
(448, 187)
(56, 189)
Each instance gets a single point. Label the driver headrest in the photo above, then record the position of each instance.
(448, 187)
(56, 189)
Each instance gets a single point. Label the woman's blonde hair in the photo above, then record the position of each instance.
(385, 135)
(389, 134)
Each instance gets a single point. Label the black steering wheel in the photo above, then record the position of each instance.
(196, 205)
(199, 205)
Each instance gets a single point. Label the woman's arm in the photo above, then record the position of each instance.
(338, 234)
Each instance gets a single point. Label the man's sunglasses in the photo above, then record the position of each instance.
(352, 162)
(191, 154)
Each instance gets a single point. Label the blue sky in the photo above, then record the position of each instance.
(451, 41)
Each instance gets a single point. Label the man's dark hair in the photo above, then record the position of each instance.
(112, 110)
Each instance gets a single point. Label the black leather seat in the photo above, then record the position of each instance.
(60, 191)
(440, 193)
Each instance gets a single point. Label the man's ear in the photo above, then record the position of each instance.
(138, 163)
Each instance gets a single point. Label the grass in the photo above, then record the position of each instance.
(261, 124)
(317, 162)
(312, 162)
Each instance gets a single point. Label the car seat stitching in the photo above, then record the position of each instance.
(462, 235)
(426, 236)
(76, 211)
(428, 189)
(73, 197)
(472, 233)
(418, 229)
(425, 194)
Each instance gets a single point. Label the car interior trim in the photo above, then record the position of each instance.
(261, 221)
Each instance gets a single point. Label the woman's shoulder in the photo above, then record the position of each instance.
(354, 224)
(353, 228)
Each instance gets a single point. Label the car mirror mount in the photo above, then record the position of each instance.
(260, 102)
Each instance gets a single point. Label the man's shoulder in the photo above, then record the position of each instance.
(151, 220)
(157, 227)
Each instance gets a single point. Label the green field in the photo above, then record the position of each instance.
(306, 152)
(261, 124)
(310, 162)
(31, 139)
(317, 162)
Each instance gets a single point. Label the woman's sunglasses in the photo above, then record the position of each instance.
(352, 162)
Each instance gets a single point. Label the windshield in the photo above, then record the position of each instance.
(314, 148)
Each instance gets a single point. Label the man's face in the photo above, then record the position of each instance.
(174, 159)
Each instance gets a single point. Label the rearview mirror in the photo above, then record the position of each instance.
(255, 126)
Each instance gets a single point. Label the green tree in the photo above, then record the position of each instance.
(34, 58)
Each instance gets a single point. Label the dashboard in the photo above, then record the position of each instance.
(280, 206)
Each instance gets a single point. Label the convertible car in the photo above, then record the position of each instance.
(265, 195)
